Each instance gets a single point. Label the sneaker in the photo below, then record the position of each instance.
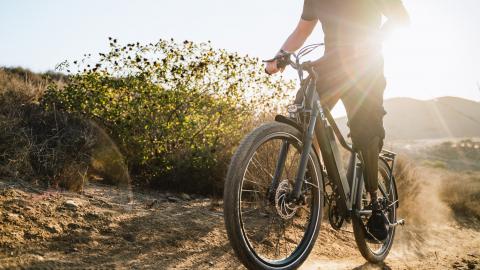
(377, 225)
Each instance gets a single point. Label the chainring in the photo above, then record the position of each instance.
(334, 215)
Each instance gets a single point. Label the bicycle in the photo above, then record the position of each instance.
(277, 186)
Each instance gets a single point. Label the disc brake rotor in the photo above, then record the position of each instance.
(284, 209)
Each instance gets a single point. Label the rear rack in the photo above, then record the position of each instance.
(388, 155)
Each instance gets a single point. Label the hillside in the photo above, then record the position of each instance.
(445, 117)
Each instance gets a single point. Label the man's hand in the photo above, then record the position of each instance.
(271, 67)
(293, 42)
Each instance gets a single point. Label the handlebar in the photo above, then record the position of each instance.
(284, 59)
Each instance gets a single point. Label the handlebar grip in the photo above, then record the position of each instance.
(282, 62)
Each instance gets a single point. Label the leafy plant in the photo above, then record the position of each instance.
(176, 110)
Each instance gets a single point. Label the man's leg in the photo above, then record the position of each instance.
(365, 116)
(364, 105)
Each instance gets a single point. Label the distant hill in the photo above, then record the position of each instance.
(445, 117)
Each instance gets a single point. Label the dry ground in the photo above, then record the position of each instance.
(113, 228)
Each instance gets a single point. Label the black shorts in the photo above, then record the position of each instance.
(359, 82)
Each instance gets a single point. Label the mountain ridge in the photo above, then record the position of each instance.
(442, 117)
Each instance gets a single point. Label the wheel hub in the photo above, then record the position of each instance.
(285, 209)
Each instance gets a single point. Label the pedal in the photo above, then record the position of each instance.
(399, 222)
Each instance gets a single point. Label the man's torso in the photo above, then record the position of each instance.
(350, 25)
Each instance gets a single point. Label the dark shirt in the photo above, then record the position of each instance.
(351, 24)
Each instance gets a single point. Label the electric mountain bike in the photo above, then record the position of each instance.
(285, 172)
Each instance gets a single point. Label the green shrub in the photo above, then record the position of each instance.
(176, 111)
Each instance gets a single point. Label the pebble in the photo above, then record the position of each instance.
(173, 199)
(151, 204)
(130, 237)
(185, 196)
(71, 250)
(70, 204)
(73, 226)
(92, 216)
(197, 197)
(13, 217)
(53, 228)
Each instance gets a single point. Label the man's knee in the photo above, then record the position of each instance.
(365, 128)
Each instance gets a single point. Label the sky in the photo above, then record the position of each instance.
(439, 55)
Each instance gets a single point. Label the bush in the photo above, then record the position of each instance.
(176, 111)
(462, 193)
(47, 147)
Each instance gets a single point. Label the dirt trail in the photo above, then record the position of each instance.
(112, 228)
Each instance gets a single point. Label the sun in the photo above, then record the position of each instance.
(418, 56)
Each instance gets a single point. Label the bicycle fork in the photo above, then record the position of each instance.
(306, 148)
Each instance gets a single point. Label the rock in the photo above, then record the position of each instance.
(38, 257)
(130, 237)
(197, 197)
(210, 263)
(471, 265)
(71, 204)
(173, 199)
(92, 216)
(185, 196)
(71, 250)
(151, 204)
(30, 235)
(53, 228)
(13, 217)
(73, 226)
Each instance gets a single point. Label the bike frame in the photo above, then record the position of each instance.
(322, 128)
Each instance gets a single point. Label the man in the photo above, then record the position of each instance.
(352, 70)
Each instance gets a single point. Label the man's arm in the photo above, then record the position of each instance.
(299, 35)
(296, 39)
(395, 11)
(396, 15)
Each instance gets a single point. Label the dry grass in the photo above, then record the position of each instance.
(410, 185)
(462, 193)
(436, 194)
(52, 148)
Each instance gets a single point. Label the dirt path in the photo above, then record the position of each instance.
(111, 228)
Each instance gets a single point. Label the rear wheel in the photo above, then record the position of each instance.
(265, 230)
(376, 252)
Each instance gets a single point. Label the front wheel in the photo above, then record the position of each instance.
(265, 230)
(375, 252)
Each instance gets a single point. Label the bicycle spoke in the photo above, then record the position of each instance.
(253, 182)
(269, 226)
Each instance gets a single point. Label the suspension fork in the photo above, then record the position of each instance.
(307, 145)
(282, 156)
